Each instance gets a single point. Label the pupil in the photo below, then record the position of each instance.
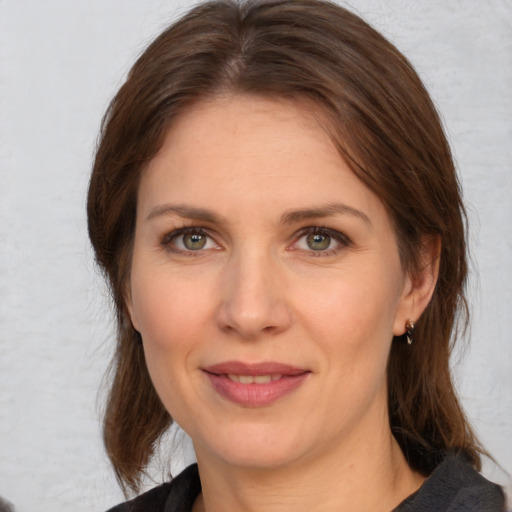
(194, 241)
(318, 242)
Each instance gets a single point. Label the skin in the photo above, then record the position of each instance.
(261, 289)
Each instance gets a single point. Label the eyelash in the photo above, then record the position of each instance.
(169, 238)
(341, 239)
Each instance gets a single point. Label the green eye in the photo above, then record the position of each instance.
(318, 241)
(189, 241)
(194, 241)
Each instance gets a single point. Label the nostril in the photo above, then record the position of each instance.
(251, 304)
(251, 324)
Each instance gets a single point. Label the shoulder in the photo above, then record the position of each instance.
(154, 499)
(178, 495)
(454, 486)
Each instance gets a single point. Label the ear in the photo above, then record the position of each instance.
(127, 296)
(419, 285)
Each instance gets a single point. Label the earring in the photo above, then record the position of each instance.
(409, 326)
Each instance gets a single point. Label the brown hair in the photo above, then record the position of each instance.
(384, 125)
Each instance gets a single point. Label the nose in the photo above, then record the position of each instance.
(253, 297)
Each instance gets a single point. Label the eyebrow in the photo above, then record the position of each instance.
(290, 217)
(189, 212)
(319, 212)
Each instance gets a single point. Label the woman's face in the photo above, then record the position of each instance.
(266, 284)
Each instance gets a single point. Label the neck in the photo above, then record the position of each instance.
(370, 475)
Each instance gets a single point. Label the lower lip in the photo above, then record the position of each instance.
(255, 395)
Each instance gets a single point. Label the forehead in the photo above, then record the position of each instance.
(244, 133)
(245, 151)
(259, 124)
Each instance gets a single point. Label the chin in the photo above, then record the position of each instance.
(259, 459)
(253, 448)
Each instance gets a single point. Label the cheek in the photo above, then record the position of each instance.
(351, 318)
(169, 313)
(171, 321)
(352, 306)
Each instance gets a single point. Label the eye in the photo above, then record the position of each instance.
(193, 241)
(318, 241)
(187, 240)
(321, 241)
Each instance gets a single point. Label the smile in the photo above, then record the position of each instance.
(256, 385)
(254, 379)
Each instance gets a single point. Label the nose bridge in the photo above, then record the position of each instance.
(253, 302)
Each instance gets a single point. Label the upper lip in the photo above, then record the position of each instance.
(265, 368)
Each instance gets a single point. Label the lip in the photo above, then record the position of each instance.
(285, 380)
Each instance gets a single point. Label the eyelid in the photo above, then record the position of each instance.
(167, 239)
(342, 239)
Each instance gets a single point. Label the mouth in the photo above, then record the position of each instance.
(254, 385)
(253, 379)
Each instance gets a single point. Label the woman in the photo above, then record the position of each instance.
(276, 210)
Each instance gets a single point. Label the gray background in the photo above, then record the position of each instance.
(60, 63)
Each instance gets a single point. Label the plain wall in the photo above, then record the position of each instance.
(60, 63)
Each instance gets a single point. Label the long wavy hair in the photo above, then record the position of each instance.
(384, 125)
